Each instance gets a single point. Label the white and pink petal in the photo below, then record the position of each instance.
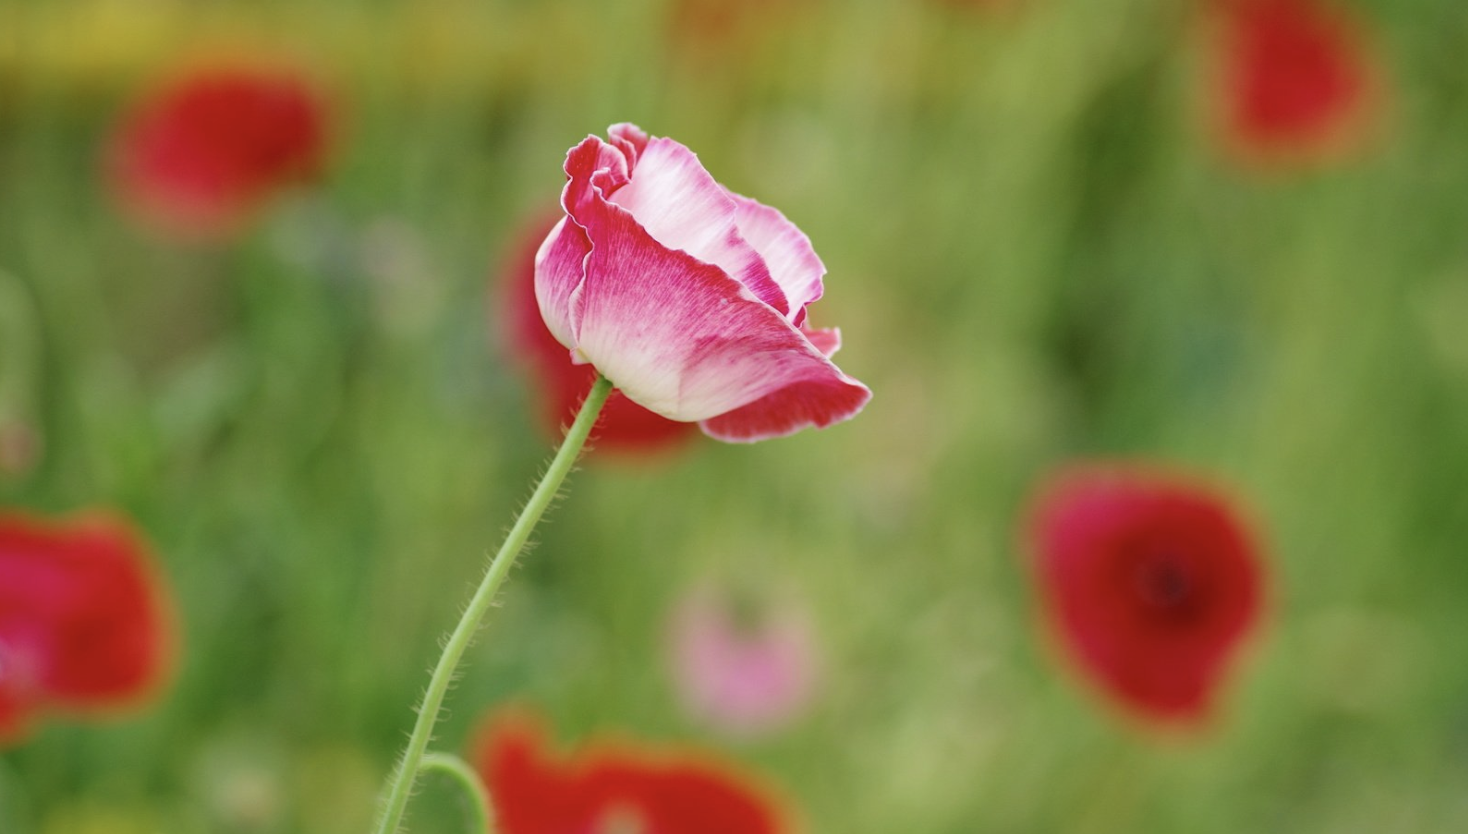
(690, 298)
(560, 265)
(827, 341)
(683, 207)
(819, 400)
(685, 340)
(786, 251)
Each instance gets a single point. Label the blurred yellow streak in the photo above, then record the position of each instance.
(439, 47)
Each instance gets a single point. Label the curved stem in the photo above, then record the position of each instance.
(400, 787)
(465, 777)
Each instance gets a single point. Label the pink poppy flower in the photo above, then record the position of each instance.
(1149, 582)
(743, 675)
(20, 448)
(614, 787)
(83, 622)
(690, 298)
(199, 154)
(560, 384)
(1295, 80)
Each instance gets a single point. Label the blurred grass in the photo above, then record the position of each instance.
(1035, 253)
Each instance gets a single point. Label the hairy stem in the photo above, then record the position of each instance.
(400, 787)
(464, 776)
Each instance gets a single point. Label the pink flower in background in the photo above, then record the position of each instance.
(1294, 79)
(690, 298)
(745, 675)
(560, 384)
(199, 154)
(84, 624)
(1149, 581)
(614, 787)
(20, 448)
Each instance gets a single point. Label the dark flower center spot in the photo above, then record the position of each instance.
(1164, 584)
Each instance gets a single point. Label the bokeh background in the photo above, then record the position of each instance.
(1039, 249)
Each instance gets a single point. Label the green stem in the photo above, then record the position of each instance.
(400, 787)
(465, 777)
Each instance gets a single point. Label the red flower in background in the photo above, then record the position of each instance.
(560, 385)
(613, 788)
(83, 622)
(1295, 79)
(1149, 581)
(197, 155)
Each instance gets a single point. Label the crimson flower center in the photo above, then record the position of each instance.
(1167, 586)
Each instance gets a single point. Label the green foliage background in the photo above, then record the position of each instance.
(1037, 253)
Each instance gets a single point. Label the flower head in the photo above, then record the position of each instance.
(614, 788)
(561, 385)
(744, 675)
(1149, 581)
(1294, 79)
(83, 623)
(690, 298)
(199, 154)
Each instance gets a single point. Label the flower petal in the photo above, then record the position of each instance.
(657, 790)
(1298, 80)
(559, 266)
(531, 791)
(107, 634)
(197, 155)
(83, 621)
(628, 138)
(684, 795)
(16, 706)
(682, 338)
(560, 385)
(1151, 582)
(818, 402)
(826, 341)
(683, 207)
(786, 250)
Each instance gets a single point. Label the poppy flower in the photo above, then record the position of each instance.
(83, 624)
(614, 787)
(560, 385)
(1150, 582)
(745, 672)
(197, 155)
(1294, 79)
(20, 448)
(689, 297)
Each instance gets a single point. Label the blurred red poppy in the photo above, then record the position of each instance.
(84, 625)
(1149, 581)
(614, 787)
(624, 426)
(199, 154)
(1294, 79)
